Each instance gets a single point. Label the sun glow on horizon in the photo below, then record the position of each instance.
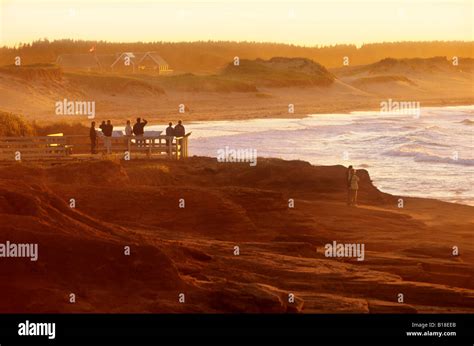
(308, 23)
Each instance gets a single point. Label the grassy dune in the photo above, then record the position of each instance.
(280, 72)
(13, 125)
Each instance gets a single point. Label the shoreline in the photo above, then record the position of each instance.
(380, 174)
(343, 110)
(302, 112)
(207, 106)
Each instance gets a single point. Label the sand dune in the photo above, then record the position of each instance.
(411, 78)
(191, 250)
(255, 89)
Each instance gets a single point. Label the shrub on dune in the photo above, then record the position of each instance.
(12, 125)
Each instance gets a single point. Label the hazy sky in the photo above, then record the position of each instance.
(299, 22)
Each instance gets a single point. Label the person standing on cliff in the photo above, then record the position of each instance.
(102, 126)
(139, 127)
(348, 184)
(108, 130)
(93, 138)
(169, 133)
(128, 129)
(179, 129)
(139, 130)
(354, 187)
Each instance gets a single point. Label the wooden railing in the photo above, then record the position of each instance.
(19, 148)
(46, 147)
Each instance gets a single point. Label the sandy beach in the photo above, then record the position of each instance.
(236, 95)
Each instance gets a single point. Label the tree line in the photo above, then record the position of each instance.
(211, 56)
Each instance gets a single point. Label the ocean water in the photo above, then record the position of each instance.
(427, 156)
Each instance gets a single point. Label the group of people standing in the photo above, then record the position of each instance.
(352, 186)
(138, 130)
